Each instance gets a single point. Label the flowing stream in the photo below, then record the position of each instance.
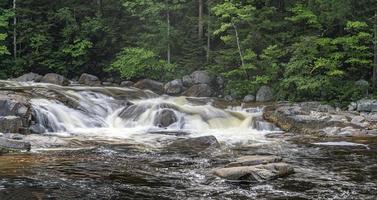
(110, 143)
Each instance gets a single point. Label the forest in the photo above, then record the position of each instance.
(304, 49)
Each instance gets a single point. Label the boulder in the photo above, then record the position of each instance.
(14, 144)
(174, 87)
(37, 129)
(88, 79)
(257, 173)
(249, 98)
(165, 118)
(126, 83)
(265, 94)
(55, 79)
(148, 84)
(200, 90)
(187, 81)
(107, 84)
(202, 77)
(254, 160)
(10, 124)
(29, 77)
(220, 81)
(197, 144)
(367, 105)
(228, 98)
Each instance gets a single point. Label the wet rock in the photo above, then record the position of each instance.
(10, 124)
(257, 173)
(148, 84)
(228, 98)
(37, 129)
(254, 160)
(201, 90)
(55, 79)
(165, 118)
(107, 84)
(126, 83)
(14, 144)
(174, 87)
(187, 81)
(264, 94)
(249, 98)
(88, 79)
(29, 77)
(367, 105)
(202, 77)
(132, 112)
(197, 144)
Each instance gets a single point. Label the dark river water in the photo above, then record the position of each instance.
(127, 171)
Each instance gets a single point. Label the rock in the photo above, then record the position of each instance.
(220, 81)
(325, 108)
(10, 124)
(201, 90)
(187, 81)
(197, 144)
(165, 118)
(88, 79)
(29, 77)
(201, 77)
(132, 112)
(367, 105)
(352, 106)
(55, 79)
(126, 83)
(254, 160)
(37, 129)
(107, 84)
(357, 119)
(249, 98)
(228, 98)
(265, 94)
(174, 87)
(257, 173)
(14, 144)
(148, 84)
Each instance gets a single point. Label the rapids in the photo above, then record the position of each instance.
(104, 143)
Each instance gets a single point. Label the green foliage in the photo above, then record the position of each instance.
(138, 63)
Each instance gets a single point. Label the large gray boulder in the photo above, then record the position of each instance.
(200, 90)
(174, 87)
(265, 94)
(15, 105)
(257, 173)
(148, 84)
(187, 81)
(10, 124)
(202, 77)
(165, 118)
(194, 145)
(29, 77)
(367, 105)
(55, 79)
(88, 79)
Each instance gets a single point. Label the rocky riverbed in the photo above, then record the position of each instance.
(103, 142)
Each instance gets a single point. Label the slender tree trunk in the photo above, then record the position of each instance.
(168, 35)
(14, 31)
(200, 19)
(374, 79)
(208, 30)
(240, 49)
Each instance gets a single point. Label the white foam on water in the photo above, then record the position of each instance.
(340, 143)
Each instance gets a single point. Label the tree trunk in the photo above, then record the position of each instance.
(208, 30)
(168, 35)
(374, 79)
(240, 50)
(14, 31)
(200, 19)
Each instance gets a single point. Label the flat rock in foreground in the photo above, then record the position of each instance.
(256, 173)
(14, 144)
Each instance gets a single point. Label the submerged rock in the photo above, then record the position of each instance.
(197, 144)
(201, 90)
(148, 84)
(254, 160)
(264, 94)
(165, 118)
(29, 77)
(55, 79)
(257, 173)
(88, 79)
